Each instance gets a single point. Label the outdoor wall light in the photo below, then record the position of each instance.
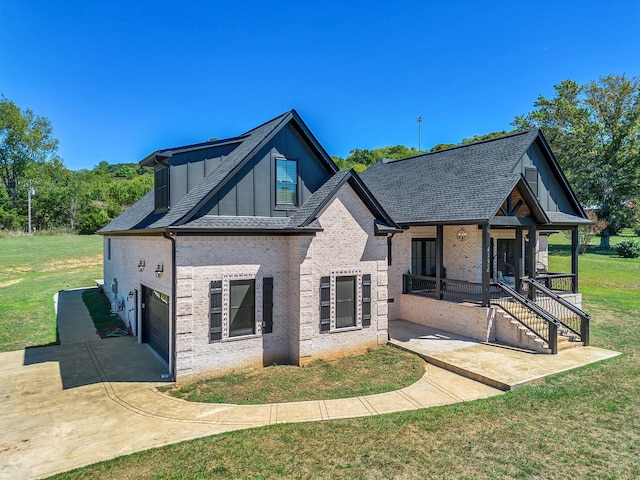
(462, 234)
(159, 270)
(141, 265)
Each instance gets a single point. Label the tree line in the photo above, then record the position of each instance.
(63, 200)
(593, 129)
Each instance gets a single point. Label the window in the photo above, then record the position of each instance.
(233, 311)
(108, 249)
(161, 188)
(423, 256)
(242, 320)
(345, 301)
(286, 182)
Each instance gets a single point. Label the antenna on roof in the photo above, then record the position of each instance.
(419, 133)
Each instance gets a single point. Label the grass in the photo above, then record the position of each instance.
(33, 269)
(100, 311)
(380, 370)
(581, 424)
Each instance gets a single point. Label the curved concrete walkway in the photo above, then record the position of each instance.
(87, 400)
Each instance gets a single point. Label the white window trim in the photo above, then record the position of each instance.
(346, 273)
(226, 297)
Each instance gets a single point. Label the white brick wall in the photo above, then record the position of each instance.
(346, 244)
(126, 253)
(296, 264)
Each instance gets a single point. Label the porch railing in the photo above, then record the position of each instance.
(573, 320)
(458, 291)
(560, 282)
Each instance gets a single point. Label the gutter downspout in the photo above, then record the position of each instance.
(174, 281)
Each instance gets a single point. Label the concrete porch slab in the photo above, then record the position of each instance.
(500, 367)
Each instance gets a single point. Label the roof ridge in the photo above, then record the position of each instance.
(268, 121)
(514, 134)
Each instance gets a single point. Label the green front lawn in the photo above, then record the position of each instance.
(33, 270)
(380, 370)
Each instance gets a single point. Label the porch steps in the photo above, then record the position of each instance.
(530, 340)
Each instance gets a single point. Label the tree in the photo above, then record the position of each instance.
(486, 136)
(25, 139)
(594, 131)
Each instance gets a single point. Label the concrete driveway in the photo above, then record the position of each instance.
(87, 400)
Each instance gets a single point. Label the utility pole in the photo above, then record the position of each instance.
(419, 133)
(31, 192)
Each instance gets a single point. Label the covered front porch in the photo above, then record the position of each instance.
(501, 254)
(491, 282)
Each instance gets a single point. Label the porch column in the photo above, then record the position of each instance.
(533, 240)
(486, 265)
(519, 259)
(574, 258)
(439, 259)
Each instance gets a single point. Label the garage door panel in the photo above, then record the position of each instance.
(156, 322)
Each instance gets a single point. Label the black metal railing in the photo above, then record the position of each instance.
(573, 320)
(458, 291)
(420, 285)
(560, 282)
(528, 313)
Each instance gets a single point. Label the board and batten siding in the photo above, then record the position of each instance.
(188, 169)
(551, 194)
(251, 192)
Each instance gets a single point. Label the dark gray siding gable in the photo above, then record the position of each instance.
(188, 169)
(251, 191)
(551, 194)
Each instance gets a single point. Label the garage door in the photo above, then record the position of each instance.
(155, 321)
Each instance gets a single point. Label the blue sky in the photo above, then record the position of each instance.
(120, 79)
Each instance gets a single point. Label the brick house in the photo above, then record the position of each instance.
(251, 251)
(256, 249)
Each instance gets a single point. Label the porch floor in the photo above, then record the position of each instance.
(500, 367)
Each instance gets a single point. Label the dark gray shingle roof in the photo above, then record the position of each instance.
(461, 184)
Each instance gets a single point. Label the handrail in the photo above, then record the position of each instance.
(558, 298)
(552, 322)
(584, 316)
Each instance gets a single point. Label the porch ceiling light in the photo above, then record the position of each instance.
(159, 270)
(462, 234)
(141, 265)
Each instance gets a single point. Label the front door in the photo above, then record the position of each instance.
(423, 256)
(506, 258)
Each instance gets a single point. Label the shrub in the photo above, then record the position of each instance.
(628, 249)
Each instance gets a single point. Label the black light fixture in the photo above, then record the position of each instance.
(159, 270)
(141, 265)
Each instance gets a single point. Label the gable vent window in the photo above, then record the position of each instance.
(531, 176)
(286, 182)
(161, 188)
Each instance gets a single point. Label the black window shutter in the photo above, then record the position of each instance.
(366, 300)
(267, 305)
(325, 304)
(215, 313)
(531, 176)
